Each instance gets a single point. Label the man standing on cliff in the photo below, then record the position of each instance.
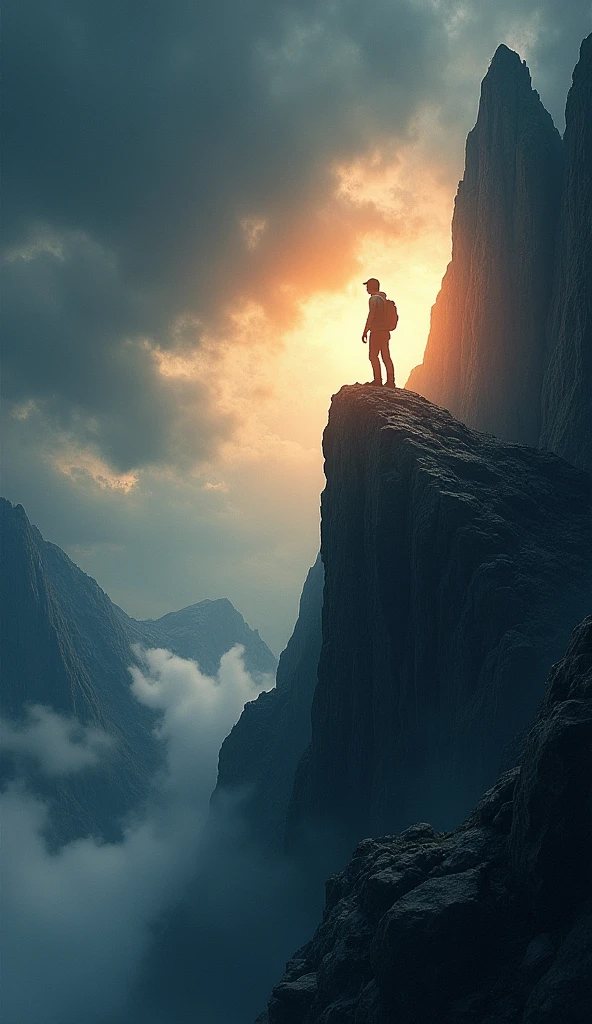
(377, 326)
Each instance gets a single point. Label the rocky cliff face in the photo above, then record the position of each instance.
(567, 392)
(261, 754)
(484, 359)
(65, 645)
(455, 566)
(489, 924)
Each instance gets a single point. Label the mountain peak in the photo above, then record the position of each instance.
(507, 65)
(485, 354)
(507, 55)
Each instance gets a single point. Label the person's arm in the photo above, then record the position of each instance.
(369, 318)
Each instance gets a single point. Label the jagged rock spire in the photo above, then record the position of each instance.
(484, 359)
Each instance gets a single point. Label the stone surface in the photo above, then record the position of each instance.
(439, 928)
(564, 993)
(431, 945)
(455, 566)
(266, 744)
(551, 838)
(484, 359)
(567, 392)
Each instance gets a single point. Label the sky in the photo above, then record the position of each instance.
(193, 194)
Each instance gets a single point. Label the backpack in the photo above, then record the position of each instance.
(391, 315)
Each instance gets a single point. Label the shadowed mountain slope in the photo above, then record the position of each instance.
(489, 924)
(266, 744)
(66, 646)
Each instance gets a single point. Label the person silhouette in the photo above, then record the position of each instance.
(376, 326)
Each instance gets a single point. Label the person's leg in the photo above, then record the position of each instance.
(388, 362)
(373, 350)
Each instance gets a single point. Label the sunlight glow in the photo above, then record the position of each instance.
(77, 464)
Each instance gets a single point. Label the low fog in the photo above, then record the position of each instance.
(185, 919)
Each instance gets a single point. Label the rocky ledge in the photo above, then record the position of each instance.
(456, 565)
(488, 924)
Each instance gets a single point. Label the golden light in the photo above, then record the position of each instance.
(278, 382)
(75, 462)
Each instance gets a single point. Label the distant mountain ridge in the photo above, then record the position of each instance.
(65, 645)
(203, 632)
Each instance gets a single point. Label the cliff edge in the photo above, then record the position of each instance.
(455, 566)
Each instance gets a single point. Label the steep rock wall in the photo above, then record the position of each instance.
(484, 359)
(260, 755)
(455, 566)
(567, 392)
(488, 924)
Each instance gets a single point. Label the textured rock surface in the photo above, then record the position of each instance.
(453, 928)
(567, 393)
(484, 359)
(455, 567)
(557, 764)
(65, 645)
(265, 745)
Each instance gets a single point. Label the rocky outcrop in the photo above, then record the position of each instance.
(484, 359)
(65, 645)
(455, 566)
(260, 755)
(567, 392)
(488, 924)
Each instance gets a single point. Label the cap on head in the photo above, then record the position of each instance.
(373, 281)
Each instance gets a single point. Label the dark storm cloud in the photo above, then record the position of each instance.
(75, 347)
(137, 138)
(154, 128)
(140, 140)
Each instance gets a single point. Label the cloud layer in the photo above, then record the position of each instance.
(59, 744)
(77, 922)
